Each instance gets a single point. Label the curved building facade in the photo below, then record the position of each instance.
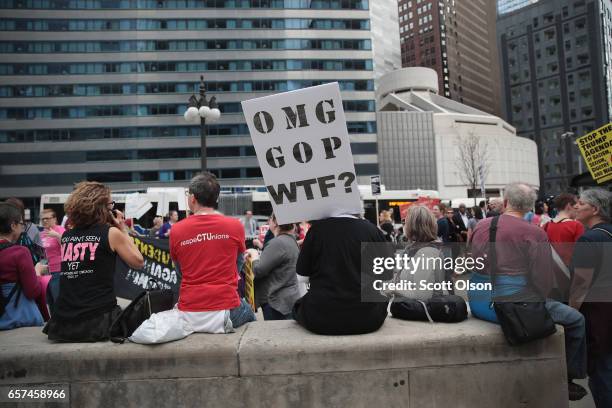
(430, 142)
(96, 89)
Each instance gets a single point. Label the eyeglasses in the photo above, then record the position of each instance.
(111, 204)
(47, 218)
(188, 193)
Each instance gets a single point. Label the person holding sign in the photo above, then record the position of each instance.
(303, 148)
(331, 258)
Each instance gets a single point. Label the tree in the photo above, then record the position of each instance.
(473, 160)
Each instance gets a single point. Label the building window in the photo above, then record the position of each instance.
(549, 34)
(166, 176)
(583, 59)
(548, 18)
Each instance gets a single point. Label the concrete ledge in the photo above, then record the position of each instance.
(281, 348)
(26, 356)
(279, 364)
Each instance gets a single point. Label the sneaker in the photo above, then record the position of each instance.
(576, 391)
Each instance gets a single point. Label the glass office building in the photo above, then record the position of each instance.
(96, 89)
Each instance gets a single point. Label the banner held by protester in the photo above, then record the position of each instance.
(303, 148)
(157, 266)
(596, 148)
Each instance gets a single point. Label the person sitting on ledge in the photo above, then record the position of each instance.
(205, 247)
(274, 270)
(87, 305)
(331, 257)
(524, 262)
(20, 287)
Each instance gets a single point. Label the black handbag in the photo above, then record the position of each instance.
(523, 316)
(150, 301)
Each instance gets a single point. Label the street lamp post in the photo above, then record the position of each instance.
(200, 109)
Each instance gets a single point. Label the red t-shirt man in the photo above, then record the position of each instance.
(206, 247)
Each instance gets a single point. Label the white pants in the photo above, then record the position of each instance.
(175, 325)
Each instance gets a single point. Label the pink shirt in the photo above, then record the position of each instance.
(52, 249)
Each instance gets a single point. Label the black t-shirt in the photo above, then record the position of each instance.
(88, 269)
(593, 251)
(331, 257)
(591, 246)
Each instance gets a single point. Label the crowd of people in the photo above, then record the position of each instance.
(313, 272)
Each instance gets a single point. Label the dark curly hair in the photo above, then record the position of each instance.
(87, 205)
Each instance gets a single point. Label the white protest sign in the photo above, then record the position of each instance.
(304, 152)
(136, 205)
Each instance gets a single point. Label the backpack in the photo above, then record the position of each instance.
(148, 302)
(36, 251)
(16, 289)
(446, 309)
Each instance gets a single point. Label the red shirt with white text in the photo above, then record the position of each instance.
(206, 248)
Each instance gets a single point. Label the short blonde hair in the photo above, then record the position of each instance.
(420, 225)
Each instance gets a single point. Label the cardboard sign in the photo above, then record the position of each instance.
(375, 185)
(596, 148)
(304, 152)
(136, 205)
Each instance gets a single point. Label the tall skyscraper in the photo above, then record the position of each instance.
(457, 39)
(557, 79)
(96, 89)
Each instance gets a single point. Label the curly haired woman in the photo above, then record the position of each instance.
(87, 304)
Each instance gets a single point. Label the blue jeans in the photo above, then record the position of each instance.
(481, 299)
(53, 290)
(600, 381)
(575, 337)
(270, 313)
(242, 314)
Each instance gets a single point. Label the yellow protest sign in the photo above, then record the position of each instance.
(596, 148)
